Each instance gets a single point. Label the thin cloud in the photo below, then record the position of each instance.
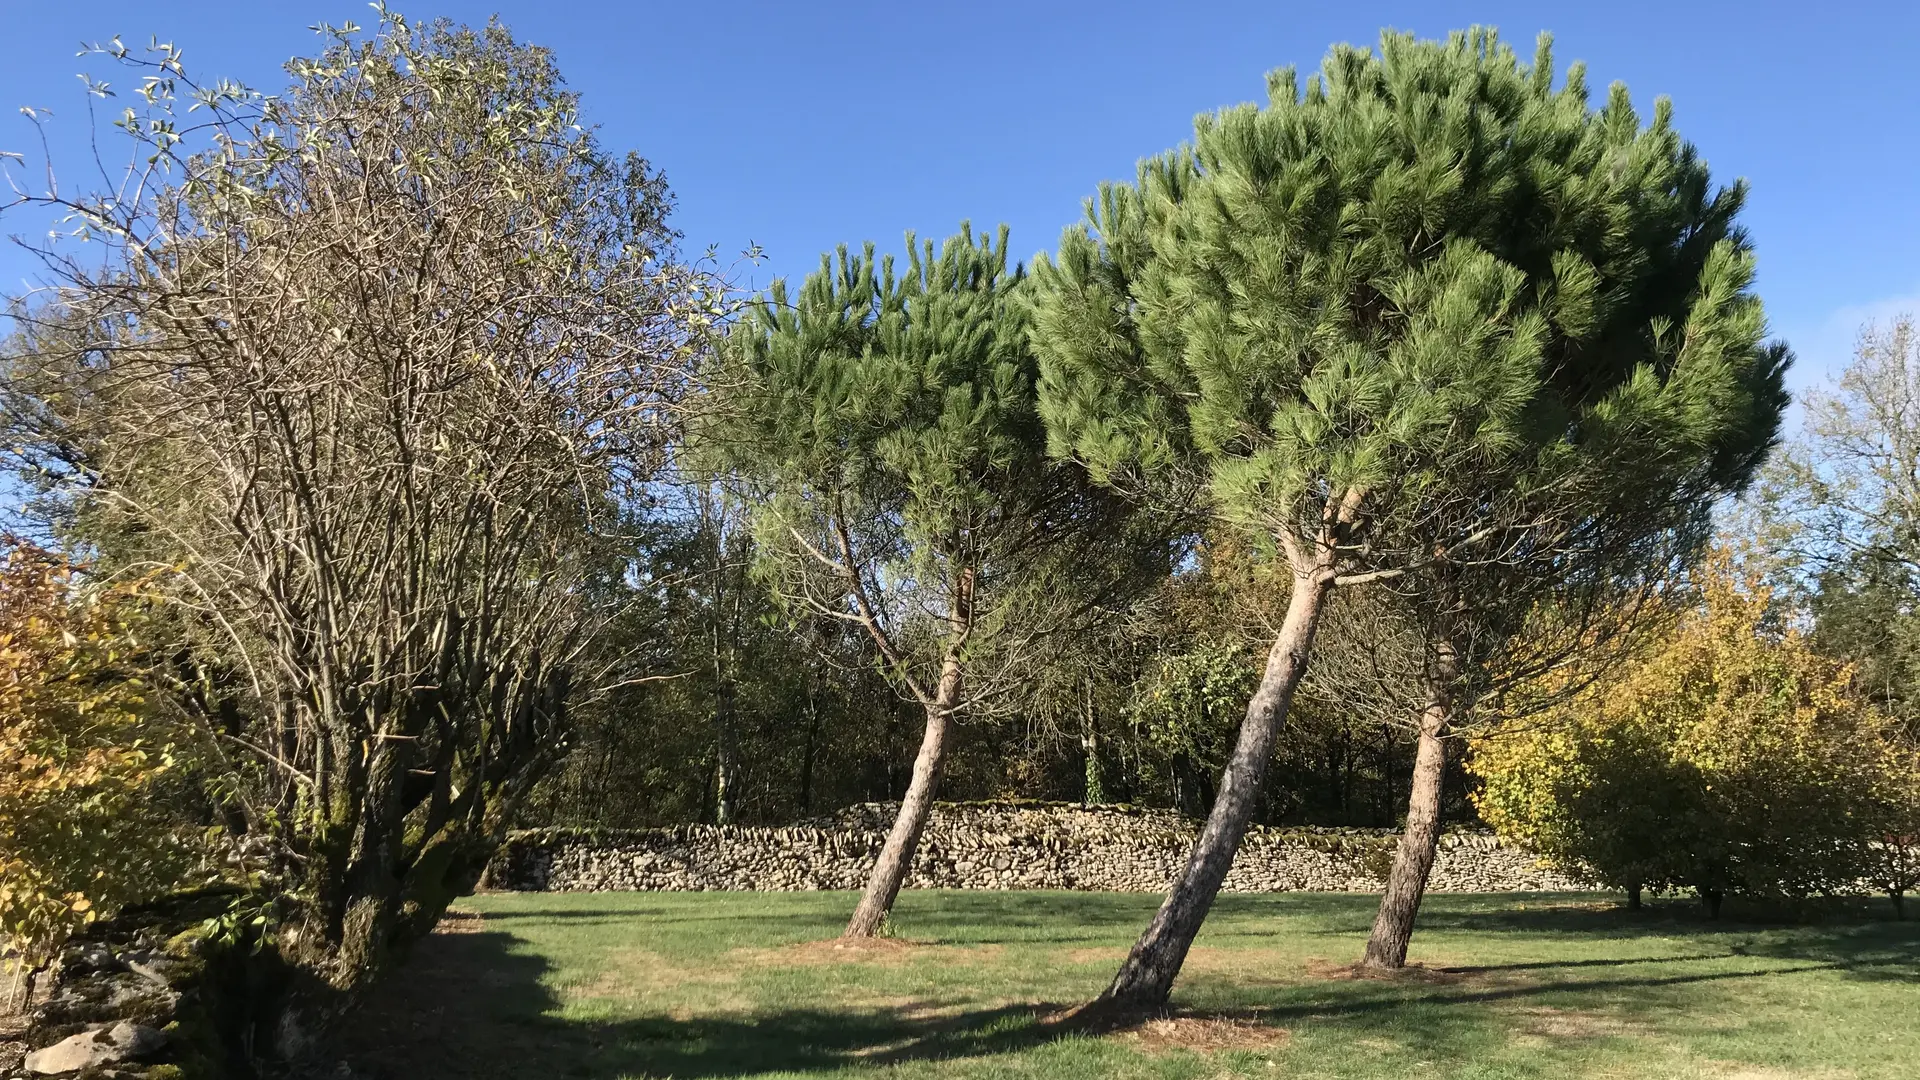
(1823, 351)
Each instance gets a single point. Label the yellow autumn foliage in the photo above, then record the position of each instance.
(81, 751)
(1728, 757)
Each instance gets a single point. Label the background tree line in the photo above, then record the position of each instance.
(792, 722)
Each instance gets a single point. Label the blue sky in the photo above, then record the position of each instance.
(799, 126)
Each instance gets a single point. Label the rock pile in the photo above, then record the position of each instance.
(991, 846)
(112, 1010)
(155, 993)
(124, 1041)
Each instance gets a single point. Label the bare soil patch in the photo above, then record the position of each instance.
(457, 921)
(887, 951)
(1321, 968)
(1160, 1030)
(1200, 1032)
(1548, 1022)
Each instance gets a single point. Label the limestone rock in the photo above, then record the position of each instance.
(991, 846)
(123, 1041)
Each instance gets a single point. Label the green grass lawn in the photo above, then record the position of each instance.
(1518, 985)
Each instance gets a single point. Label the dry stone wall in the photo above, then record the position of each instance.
(992, 846)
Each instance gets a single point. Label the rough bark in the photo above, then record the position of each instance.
(1146, 978)
(916, 805)
(1419, 843)
(903, 840)
(1095, 792)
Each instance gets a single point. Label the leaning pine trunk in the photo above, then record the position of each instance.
(1419, 843)
(1146, 978)
(896, 858)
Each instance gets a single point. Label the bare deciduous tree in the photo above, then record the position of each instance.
(376, 368)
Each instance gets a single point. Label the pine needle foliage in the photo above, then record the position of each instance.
(887, 425)
(887, 429)
(1430, 271)
(1429, 311)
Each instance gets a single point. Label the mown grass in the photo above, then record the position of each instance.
(726, 984)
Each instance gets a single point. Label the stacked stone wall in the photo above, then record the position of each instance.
(992, 846)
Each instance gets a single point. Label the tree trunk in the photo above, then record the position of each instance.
(1146, 978)
(806, 759)
(1633, 897)
(896, 857)
(1095, 792)
(1899, 904)
(726, 752)
(916, 805)
(1419, 842)
(726, 769)
(1711, 898)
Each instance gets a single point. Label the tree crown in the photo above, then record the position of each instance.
(914, 389)
(889, 424)
(1430, 273)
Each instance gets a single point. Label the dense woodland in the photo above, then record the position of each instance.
(1404, 451)
(764, 722)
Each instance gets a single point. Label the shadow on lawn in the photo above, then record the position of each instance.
(475, 1005)
(1851, 939)
(479, 1005)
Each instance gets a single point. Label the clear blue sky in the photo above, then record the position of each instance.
(801, 125)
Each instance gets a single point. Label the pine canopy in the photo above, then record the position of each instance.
(915, 388)
(889, 422)
(1430, 273)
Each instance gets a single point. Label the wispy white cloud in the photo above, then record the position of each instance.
(1824, 348)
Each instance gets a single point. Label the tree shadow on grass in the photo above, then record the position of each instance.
(483, 1005)
(1558, 965)
(480, 1005)
(1851, 940)
(966, 917)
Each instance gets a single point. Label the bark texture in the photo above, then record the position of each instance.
(1419, 844)
(896, 857)
(1146, 978)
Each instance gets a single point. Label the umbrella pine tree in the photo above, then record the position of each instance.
(1381, 320)
(886, 428)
